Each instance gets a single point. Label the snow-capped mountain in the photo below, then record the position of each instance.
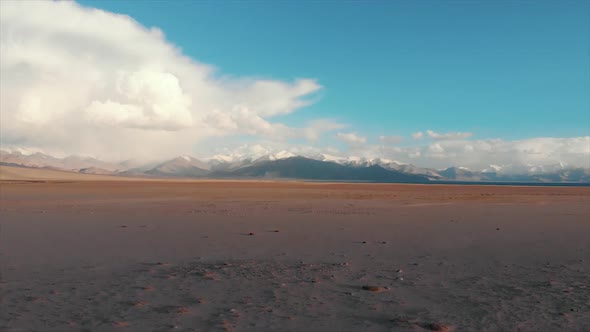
(183, 166)
(312, 169)
(526, 169)
(329, 158)
(267, 164)
(233, 161)
(388, 164)
(411, 169)
(70, 163)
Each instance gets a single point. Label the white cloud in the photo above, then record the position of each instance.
(447, 136)
(314, 128)
(390, 139)
(480, 154)
(417, 135)
(352, 139)
(83, 80)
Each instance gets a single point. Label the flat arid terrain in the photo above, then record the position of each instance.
(100, 253)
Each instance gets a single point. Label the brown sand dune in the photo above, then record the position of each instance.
(177, 256)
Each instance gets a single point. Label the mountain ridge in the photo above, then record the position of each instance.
(289, 166)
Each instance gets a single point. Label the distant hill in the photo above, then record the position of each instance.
(24, 173)
(310, 169)
(95, 170)
(578, 175)
(183, 166)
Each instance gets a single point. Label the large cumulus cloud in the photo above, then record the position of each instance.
(82, 80)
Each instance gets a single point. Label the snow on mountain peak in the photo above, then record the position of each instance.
(223, 158)
(17, 150)
(283, 155)
(328, 157)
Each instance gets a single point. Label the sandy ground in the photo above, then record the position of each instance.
(290, 256)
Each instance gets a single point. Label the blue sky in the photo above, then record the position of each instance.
(499, 69)
(431, 83)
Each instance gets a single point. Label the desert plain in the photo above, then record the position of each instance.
(100, 253)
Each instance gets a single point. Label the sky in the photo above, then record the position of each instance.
(432, 83)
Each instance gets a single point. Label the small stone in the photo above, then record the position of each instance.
(251, 233)
(438, 327)
(372, 288)
(182, 310)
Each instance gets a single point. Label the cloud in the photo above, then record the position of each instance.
(417, 135)
(390, 139)
(447, 136)
(480, 154)
(352, 139)
(315, 128)
(83, 80)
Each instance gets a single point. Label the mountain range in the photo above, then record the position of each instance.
(285, 165)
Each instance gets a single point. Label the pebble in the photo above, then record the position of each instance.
(438, 327)
(372, 288)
